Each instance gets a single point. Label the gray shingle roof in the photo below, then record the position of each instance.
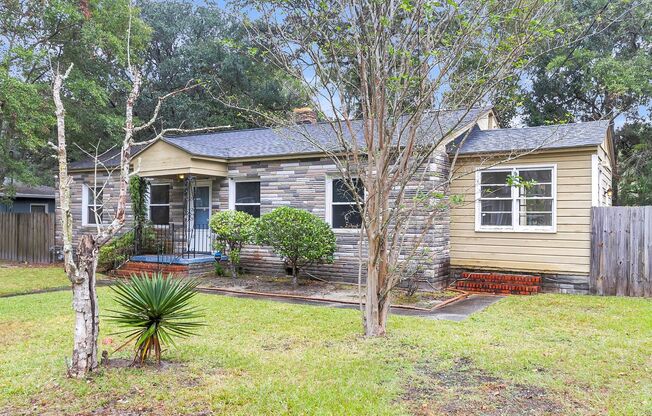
(293, 140)
(307, 138)
(561, 136)
(30, 191)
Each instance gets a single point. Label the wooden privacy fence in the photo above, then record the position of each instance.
(27, 237)
(621, 251)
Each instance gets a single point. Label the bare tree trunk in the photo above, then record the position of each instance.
(234, 269)
(87, 318)
(295, 276)
(81, 272)
(377, 302)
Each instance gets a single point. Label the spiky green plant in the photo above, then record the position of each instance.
(155, 310)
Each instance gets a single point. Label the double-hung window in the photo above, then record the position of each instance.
(516, 199)
(159, 204)
(92, 205)
(245, 197)
(343, 211)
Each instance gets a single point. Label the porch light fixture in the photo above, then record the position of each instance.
(609, 192)
(181, 176)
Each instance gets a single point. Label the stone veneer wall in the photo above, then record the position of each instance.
(300, 183)
(110, 196)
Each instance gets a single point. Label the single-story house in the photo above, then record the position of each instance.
(26, 198)
(543, 228)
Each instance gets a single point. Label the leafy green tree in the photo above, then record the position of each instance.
(634, 143)
(298, 236)
(602, 75)
(35, 33)
(233, 230)
(202, 43)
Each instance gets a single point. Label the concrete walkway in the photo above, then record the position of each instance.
(456, 311)
(460, 310)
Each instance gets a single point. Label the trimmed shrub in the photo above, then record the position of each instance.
(298, 236)
(233, 230)
(118, 250)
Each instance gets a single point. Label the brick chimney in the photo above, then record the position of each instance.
(304, 115)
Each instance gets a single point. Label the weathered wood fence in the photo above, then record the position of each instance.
(621, 251)
(27, 237)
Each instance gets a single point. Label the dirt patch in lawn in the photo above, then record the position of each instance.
(465, 390)
(319, 289)
(147, 365)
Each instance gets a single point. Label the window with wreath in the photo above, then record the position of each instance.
(516, 199)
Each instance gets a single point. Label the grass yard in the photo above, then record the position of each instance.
(20, 279)
(547, 354)
(17, 279)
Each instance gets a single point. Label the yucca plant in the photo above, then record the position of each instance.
(155, 310)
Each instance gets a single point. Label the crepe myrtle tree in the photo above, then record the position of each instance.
(233, 230)
(379, 72)
(298, 236)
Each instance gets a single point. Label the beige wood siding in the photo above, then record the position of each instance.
(163, 159)
(565, 251)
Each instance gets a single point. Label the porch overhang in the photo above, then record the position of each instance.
(162, 159)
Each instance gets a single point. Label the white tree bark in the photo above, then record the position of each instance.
(81, 265)
(80, 271)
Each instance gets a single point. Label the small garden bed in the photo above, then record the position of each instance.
(337, 292)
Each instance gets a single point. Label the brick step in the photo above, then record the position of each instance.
(500, 292)
(502, 278)
(164, 271)
(132, 265)
(128, 273)
(137, 268)
(473, 285)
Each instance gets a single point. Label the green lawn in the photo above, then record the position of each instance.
(18, 279)
(547, 354)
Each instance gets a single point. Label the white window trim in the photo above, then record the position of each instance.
(328, 215)
(232, 182)
(38, 205)
(85, 206)
(595, 181)
(148, 201)
(515, 227)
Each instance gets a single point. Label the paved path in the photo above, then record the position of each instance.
(456, 311)
(460, 310)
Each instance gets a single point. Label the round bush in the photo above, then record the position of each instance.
(297, 236)
(233, 230)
